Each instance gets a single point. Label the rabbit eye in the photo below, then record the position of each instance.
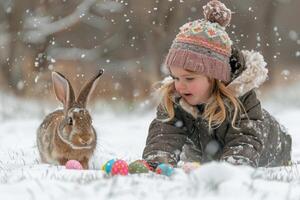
(70, 121)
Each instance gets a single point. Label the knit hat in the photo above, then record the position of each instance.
(203, 45)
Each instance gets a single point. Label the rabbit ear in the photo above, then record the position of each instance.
(63, 89)
(88, 88)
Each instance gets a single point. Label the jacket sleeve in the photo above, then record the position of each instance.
(243, 146)
(165, 139)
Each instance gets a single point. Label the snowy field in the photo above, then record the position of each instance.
(123, 136)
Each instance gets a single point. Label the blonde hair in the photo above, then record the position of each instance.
(219, 106)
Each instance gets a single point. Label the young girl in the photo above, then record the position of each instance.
(209, 109)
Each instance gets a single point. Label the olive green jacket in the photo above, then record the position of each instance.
(259, 141)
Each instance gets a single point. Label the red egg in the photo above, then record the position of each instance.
(120, 167)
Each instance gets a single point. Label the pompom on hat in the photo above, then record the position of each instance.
(203, 46)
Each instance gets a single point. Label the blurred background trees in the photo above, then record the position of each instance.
(129, 39)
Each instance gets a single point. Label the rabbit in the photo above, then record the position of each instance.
(68, 134)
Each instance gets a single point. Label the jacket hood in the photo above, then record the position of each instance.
(253, 76)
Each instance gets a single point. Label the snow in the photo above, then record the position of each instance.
(72, 53)
(123, 135)
(293, 35)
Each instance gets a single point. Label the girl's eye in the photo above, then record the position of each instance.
(189, 78)
(70, 121)
(175, 78)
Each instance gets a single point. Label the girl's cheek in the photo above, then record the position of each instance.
(178, 85)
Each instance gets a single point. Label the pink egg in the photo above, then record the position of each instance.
(120, 167)
(73, 164)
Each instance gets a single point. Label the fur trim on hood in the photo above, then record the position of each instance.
(254, 75)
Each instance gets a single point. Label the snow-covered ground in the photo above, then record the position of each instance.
(123, 136)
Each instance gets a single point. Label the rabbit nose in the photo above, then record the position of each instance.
(85, 140)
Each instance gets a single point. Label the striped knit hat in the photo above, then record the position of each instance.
(203, 45)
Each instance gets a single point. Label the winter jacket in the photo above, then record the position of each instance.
(259, 141)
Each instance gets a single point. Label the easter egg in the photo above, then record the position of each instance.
(73, 164)
(165, 169)
(108, 166)
(138, 166)
(120, 167)
(190, 166)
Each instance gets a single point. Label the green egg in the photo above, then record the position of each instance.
(138, 167)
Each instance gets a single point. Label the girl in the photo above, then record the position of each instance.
(209, 109)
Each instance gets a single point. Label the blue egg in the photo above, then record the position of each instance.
(165, 169)
(108, 165)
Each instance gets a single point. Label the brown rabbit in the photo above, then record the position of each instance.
(68, 134)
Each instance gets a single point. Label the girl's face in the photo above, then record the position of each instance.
(194, 88)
